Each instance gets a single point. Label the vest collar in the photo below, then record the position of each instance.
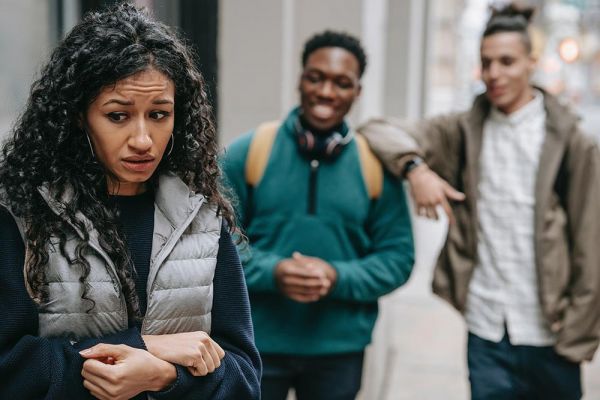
(175, 200)
(173, 197)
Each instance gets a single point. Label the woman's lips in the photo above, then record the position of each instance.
(138, 165)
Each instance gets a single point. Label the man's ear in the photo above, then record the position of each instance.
(359, 91)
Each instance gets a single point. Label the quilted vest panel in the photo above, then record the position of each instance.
(180, 289)
(180, 294)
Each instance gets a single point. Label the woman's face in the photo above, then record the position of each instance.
(129, 125)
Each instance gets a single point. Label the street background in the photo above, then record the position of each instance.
(423, 60)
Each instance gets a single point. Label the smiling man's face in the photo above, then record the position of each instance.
(329, 84)
(506, 67)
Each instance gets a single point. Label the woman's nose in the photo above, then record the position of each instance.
(140, 140)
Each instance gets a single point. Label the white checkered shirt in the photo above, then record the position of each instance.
(504, 289)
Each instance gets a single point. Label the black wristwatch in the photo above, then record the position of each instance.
(412, 164)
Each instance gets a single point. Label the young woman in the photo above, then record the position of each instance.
(118, 274)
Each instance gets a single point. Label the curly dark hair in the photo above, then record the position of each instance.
(49, 148)
(336, 39)
(511, 18)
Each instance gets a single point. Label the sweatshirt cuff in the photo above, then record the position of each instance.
(340, 280)
(172, 391)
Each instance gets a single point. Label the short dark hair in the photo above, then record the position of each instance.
(336, 39)
(511, 18)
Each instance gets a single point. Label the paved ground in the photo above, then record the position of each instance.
(419, 341)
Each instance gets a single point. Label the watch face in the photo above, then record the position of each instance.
(412, 164)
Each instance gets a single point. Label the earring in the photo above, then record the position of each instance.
(172, 144)
(90, 144)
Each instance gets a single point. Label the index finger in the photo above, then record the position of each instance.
(94, 368)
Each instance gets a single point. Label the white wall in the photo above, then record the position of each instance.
(261, 44)
(22, 52)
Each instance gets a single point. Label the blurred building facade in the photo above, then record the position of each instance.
(423, 54)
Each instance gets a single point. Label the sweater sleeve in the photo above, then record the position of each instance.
(390, 260)
(33, 367)
(259, 265)
(238, 376)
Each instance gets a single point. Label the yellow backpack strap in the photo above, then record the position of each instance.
(371, 168)
(259, 151)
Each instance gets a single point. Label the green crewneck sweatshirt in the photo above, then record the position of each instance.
(330, 216)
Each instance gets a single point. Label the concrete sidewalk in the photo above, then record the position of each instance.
(418, 349)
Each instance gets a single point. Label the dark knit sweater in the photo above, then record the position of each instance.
(33, 367)
(136, 214)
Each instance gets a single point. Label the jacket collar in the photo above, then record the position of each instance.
(559, 119)
(560, 123)
(472, 126)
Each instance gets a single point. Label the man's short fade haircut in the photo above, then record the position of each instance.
(511, 18)
(336, 39)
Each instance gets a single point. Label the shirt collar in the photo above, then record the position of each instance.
(534, 108)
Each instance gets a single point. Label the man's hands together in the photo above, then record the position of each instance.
(305, 279)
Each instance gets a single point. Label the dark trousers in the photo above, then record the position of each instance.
(335, 377)
(499, 371)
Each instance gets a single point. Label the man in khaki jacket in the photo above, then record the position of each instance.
(521, 186)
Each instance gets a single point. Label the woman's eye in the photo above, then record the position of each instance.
(158, 115)
(116, 116)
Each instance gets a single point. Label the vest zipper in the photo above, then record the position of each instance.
(312, 187)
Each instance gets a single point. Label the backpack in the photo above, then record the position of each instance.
(260, 150)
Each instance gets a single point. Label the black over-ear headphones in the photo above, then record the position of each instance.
(321, 147)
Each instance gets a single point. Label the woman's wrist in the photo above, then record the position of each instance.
(151, 343)
(167, 374)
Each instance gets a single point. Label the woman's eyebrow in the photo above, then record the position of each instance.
(162, 101)
(119, 101)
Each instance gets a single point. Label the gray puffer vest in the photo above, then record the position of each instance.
(180, 282)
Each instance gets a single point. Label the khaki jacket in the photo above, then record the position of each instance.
(567, 212)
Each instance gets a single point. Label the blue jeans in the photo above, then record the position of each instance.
(499, 371)
(331, 377)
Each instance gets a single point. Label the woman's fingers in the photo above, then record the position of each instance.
(95, 390)
(214, 355)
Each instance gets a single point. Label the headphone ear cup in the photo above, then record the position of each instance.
(306, 141)
(334, 145)
(313, 146)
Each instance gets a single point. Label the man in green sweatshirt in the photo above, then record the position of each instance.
(324, 245)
